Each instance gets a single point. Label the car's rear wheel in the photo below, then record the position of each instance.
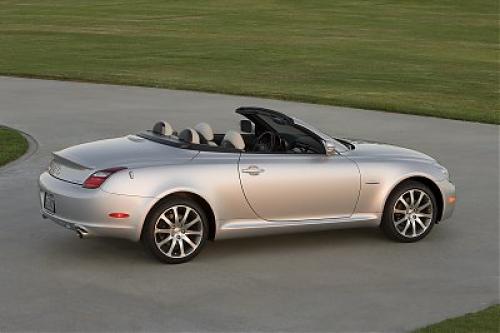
(176, 230)
(410, 212)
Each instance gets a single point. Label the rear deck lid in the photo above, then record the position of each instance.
(75, 164)
(69, 171)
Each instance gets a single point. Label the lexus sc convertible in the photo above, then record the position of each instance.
(175, 190)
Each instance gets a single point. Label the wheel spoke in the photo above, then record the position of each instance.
(193, 222)
(192, 232)
(419, 199)
(181, 246)
(176, 214)
(186, 214)
(412, 197)
(403, 201)
(406, 227)
(423, 215)
(401, 220)
(162, 231)
(414, 228)
(190, 242)
(172, 246)
(399, 211)
(424, 206)
(164, 241)
(420, 223)
(166, 219)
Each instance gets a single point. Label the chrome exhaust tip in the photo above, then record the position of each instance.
(82, 233)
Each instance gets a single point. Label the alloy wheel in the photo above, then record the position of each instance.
(178, 231)
(413, 213)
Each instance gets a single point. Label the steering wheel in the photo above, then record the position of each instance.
(265, 142)
(302, 147)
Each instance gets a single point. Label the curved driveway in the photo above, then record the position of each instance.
(349, 280)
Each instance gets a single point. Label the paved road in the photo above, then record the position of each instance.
(349, 280)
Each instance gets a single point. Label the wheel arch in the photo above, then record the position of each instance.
(193, 196)
(429, 183)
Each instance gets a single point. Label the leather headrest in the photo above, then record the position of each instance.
(163, 128)
(233, 139)
(189, 135)
(205, 131)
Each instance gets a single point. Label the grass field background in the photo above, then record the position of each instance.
(485, 321)
(437, 58)
(12, 145)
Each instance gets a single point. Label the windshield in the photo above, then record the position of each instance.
(282, 127)
(291, 133)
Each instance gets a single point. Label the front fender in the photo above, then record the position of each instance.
(380, 178)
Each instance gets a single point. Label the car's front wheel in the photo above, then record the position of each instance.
(176, 230)
(410, 212)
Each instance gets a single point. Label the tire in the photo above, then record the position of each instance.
(175, 241)
(407, 222)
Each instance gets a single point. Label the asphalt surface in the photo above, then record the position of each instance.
(344, 280)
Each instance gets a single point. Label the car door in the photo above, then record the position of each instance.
(297, 187)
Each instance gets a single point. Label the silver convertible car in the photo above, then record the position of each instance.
(176, 190)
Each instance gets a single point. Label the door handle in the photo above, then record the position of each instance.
(253, 170)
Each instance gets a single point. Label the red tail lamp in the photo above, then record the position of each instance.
(96, 179)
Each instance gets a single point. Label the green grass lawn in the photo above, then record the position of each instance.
(486, 321)
(12, 145)
(425, 57)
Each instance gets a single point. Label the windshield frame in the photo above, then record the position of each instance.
(254, 115)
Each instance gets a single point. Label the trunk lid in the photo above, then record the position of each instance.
(77, 163)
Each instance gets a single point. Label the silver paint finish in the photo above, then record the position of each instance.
(90, 209)
(246, 228)
(248, 193)
(383, 167)
(130, 151)
(447, 190)
(300, 187)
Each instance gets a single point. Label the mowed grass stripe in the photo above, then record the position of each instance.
(421, 57)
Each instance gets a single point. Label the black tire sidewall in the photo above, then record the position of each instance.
(387, 224)
(149, 226)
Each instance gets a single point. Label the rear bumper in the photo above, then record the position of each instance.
(449, 198)
(87, 211)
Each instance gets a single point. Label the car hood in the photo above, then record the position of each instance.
(366, 149)
(75, 164)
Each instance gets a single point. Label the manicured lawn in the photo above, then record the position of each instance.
(486, 321)
(12, 145)
(425, 57)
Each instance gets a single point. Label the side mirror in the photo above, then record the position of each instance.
(329, 148)
(246, 126)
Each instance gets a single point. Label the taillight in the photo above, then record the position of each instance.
(96, 179)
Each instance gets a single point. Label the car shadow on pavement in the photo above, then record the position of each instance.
(299, 243)
(119, 251)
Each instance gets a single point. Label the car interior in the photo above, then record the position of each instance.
(266, 132)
